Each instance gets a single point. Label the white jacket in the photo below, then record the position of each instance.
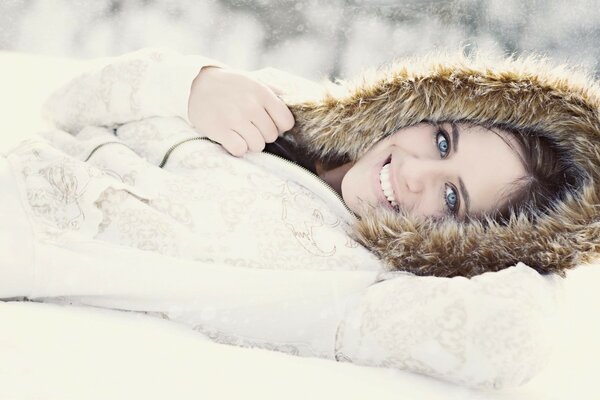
(127, 207)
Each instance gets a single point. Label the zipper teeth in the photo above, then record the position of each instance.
(170, 150)
(306, 170)
(102, 145)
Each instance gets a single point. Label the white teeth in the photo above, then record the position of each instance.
(386, 185)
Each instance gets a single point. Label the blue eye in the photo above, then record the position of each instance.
(442, 143)
(449, 195)
(451, 199)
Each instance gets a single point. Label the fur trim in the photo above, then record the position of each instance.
(520, 93)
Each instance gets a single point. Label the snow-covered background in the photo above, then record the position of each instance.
(313, 38)
(42, 353)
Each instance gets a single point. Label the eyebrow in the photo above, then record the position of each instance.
(465, 194)
(463, 189)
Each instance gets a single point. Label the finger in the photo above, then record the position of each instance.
(280, 114)
(252, 136)
(278, 90)
(232, 142)
(262, 120)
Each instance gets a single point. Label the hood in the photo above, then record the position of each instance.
(526, 93)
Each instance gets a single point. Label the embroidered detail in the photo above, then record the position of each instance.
(143, 228)
(115, 77)
(304, 231)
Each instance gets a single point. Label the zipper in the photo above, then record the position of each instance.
(170, 149)
(306, 170)
(104, 144)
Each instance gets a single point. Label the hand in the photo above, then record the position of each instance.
(237, 111)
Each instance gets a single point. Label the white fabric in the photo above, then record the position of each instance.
(119, 232)
(456, 328)
(149, 82)
(16, 240)
(54, 352)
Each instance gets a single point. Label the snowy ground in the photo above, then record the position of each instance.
(55, 352)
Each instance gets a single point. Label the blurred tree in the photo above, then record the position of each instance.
(281, 19)
(10, 12)
(330, 30)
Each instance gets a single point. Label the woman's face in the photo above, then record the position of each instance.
(435, 170)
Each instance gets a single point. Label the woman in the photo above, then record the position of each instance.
(313, 289)
(492, 163)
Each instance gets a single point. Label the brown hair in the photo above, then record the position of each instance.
(549, 176)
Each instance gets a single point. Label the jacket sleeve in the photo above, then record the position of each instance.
(146, 83)
(491, 331)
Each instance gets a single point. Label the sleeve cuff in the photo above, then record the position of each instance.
(492, 331)
(169, 83)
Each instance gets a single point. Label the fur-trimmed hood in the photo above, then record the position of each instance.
(523, 94)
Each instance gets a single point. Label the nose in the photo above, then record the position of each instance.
(419, 173)
(414, 172)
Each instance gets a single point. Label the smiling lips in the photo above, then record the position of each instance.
(386, 185)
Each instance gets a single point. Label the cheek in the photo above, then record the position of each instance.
(420, 143)
(378, 152)
(430, 203)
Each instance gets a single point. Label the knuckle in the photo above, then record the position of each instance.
(272, 135)
(233, 118)
(285, 119)
(289, 122)
(237, 147)
(237, 152)
(257, 145)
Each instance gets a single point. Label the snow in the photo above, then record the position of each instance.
(55, 352)
(79, 353)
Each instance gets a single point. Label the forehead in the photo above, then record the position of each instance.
(487, 164)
